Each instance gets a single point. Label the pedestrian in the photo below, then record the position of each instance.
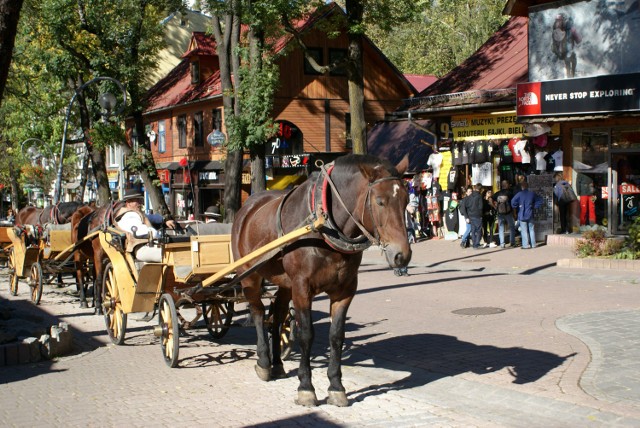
(526, 202)
(212, 214)
(467, 228)
(471, 209)
(11, 217)
(563, 196)
(488, 219)
(502, 202)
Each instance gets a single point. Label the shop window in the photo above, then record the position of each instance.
(216, 119)
(335, 56)
(113, 156)
(288, 140)
(162, 139)
(316, 54)
(590, 159)
(182, 131)
(198, 132)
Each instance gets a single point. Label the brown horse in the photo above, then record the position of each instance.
(57, 214)
(83, 222)
(363, 200)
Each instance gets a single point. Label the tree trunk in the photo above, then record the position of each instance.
(9, 17)
(258, 179)
(15, 187)
(355, 78)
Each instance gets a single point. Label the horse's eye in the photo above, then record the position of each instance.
(379, 201)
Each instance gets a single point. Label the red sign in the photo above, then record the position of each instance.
(629, 189)
(164, 175)
(528, 99)
(605, 192)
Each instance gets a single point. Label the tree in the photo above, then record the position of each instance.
(9, 17)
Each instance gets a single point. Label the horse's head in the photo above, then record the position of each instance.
(386, 199)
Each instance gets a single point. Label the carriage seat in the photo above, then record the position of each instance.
(210, 229)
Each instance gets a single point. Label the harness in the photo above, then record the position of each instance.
(319, 205)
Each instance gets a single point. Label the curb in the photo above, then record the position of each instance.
(32, 350)
(592, 263)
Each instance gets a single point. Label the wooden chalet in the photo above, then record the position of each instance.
(312, 111)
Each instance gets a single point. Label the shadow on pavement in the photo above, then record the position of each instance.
(430, 357)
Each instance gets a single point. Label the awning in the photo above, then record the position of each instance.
(72, 185)
(285, 181)
(393, 140)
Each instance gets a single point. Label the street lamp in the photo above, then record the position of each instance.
(107, 102)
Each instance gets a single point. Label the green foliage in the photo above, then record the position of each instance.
(631, 248)
(594, 243)
(104, 135)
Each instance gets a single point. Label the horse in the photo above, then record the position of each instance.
(363, 200)
(57, 214)
(83, 222)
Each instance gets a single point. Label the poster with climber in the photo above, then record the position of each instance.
(576, 39)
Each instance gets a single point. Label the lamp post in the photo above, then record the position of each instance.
(107, 102)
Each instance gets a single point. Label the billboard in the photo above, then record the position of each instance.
(583, 39)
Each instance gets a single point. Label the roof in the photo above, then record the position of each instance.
(393, 140)
(201, 44)
(501, 62)
(420, 81)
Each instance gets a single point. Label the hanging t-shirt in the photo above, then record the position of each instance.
(427, 179)
(506, 156)
(517, 157)
(481, 173)
(522, 151)
(452, 178)
(471, 149)
(465, 153)
(541, 163)
(507, 173)
(434, 161)
(551, 162)
(481, 152)
(456, 154)
(451, 220)
(557, 157)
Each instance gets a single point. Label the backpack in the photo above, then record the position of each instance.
(568, 195)
(504, 207)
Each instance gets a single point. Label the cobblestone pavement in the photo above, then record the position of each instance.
(486, 338)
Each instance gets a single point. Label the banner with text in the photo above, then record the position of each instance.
(486, 127)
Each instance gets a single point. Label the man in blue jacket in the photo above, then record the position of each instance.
(471, 209)
(526, 202)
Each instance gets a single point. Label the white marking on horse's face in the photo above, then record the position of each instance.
(396, 187)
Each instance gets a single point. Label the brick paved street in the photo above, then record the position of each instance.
(564, 352)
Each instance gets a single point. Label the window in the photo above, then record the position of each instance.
(216, 119)
(338, 55)
(134, 139)
(315, 53)
(347, 133)
(195, 72)
(198, 138)
(162, 139)
(113, 156)
(182, 131)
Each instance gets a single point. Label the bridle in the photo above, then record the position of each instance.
(330, 231)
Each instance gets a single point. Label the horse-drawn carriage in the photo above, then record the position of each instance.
(195, 280)
(5, 243)
(41, 255)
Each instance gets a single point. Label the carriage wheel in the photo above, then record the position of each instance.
(35, 283)
(287, 333)
(13, 276)
(168, 324)
(217, 317)
(114, 317)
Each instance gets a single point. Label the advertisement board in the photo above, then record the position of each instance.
(582, 39)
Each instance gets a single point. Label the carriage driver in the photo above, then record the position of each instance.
(129, 216)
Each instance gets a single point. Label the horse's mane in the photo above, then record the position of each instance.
(356, 160)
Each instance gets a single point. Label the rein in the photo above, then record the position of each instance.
(330, 232)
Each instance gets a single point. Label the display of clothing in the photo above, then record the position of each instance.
(541, 163)
(517, 156)
(557, 158)
(435, 161)
(521, 151)
(506, 155)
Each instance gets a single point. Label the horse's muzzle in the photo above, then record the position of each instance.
(398, 256)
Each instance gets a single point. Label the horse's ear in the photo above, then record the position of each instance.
(403, 165)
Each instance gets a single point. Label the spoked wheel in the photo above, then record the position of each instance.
(287, 333)
(35, 283)
(168, 330)
(114, 317)
(13, 276)
(217, 316)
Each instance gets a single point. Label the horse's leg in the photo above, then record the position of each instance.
(98, 267)
(252, 289)
(306, 391)
(60, 284)
(280, 310)
(80, 280)
(337, 394)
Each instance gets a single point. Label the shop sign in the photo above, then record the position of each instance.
(294, 161)
(602, 94)
(208, 176)
(246, 178)
(604, 191)
(164, 175)
(629, 189)
(112, 175)
(486, 127)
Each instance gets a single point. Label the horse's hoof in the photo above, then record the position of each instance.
(97, 310)
(277, 372)
(307, 399)
(263, 374)
(84, 305)
(338, 398)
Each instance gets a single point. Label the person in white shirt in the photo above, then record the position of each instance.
(129, 216)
